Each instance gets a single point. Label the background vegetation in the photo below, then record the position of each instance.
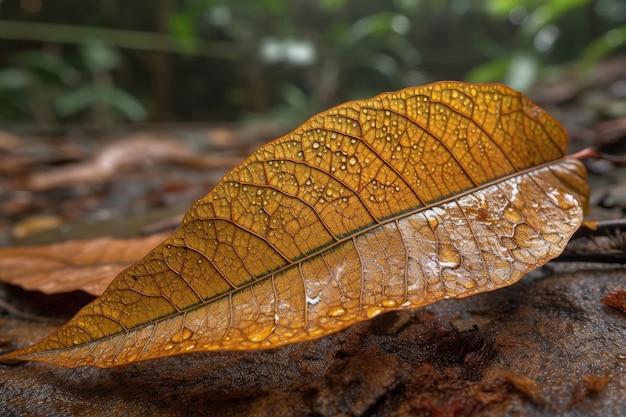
(109, 61)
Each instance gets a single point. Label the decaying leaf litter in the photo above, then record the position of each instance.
(559, 317)
(433, 192)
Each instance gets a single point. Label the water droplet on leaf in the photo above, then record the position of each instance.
(336, 312)
(182, 335)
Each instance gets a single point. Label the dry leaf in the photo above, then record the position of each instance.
(440, 191)
(616, 300)
(85, 265)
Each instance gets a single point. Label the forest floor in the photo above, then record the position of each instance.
(544, 346)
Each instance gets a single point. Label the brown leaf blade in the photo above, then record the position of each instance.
(432, 192)
(85, 265)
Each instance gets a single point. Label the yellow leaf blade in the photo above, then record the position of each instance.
(396, 202)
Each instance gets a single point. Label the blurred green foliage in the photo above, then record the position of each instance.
(51, 89)
(223, 60)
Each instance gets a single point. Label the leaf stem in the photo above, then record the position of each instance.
(593, 153)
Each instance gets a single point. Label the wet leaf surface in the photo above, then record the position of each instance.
(436, 192)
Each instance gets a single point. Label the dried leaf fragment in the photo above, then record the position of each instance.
(85, 265)
(432, 192)
(616, 299)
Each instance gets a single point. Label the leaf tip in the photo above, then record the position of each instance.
(13, 357)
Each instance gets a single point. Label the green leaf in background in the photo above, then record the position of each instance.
(50, 66)
(182, 27)
(99, 57)
(602, 47)
(88, 96)
(14, 79)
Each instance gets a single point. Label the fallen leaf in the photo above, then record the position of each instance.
(433, 192)
(85, 265)
(616, 300)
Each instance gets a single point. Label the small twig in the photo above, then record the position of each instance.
(605, 244)
(617, 160)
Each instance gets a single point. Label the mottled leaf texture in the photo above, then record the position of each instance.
(433, 192)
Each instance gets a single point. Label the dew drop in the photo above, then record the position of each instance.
(373, 311)
(449, 259)
(132, 357)
(257, 337)
(182, 335)
(524, 235)
(469, 285)
(169, 346)
(336, 312)
(433, 223)
(315, 145)
(352, 161)
(388, 303)
(512, 214)
(89, 358)
(552, 238)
